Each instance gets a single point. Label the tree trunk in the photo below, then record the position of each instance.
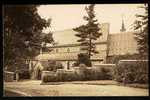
(90, 41)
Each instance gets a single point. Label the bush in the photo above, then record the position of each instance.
(24, 75)
(89, 74)
(53, 66)
(83, 59)
(49, 76)
(64, 75)
(69, 76)
(104, 71)
(100, 72)
(106, 74)
(79, 73)
(132, 71)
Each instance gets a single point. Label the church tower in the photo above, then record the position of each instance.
(123, 29)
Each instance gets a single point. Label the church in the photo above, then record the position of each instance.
(108, 45)
(67, 49)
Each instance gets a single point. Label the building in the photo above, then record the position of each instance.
(108, 45)
(67, 49)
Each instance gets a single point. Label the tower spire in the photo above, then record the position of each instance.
(123, 29)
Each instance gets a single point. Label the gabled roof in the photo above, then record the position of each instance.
(67, 36)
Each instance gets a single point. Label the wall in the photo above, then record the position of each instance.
(122, 43)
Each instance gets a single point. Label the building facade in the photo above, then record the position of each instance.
(109, 44)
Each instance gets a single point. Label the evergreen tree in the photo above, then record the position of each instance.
(88, 33)
(141, 26)
(22, 33)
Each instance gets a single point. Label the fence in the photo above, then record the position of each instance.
(8, 76)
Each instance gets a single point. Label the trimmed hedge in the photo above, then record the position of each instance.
(63, 75)
(105, 71)
(132, 71)
(100, 72)
(49, 76)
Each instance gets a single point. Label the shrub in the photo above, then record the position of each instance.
(49, 76)
(105, 74)
(104, 71)
(83, 59)
(53, 66)
(79, 73)
(132, 71)
(24, 75)
(64, 75)
(89, 74)
(100, 72)
(69, 76)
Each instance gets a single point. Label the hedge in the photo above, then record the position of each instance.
(105, 71)
(49, 76)
(132, 71)
(101, 72)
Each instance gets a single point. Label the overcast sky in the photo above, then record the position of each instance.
(71, 15)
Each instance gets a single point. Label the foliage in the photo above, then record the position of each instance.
(83, 59)
(88, 33)
(141, 26)
(82, 73)
(22, 32)
(47, 39)
(49, 78)
(104, 72)
(132, 72)
(24, 75)
(68, 76)
(53, 66)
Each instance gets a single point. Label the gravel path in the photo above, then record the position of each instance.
(69, 89)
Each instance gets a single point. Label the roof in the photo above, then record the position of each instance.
(67, 36)
(59, 56)
(73, 45)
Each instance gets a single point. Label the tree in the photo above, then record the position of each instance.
(22, 32)
(47, 39)
(141, 25)
(88, 33)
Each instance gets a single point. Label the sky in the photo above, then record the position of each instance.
(71, 15)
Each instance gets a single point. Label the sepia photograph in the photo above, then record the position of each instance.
(75, 50)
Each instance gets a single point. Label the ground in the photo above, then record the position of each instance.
(87, 88)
